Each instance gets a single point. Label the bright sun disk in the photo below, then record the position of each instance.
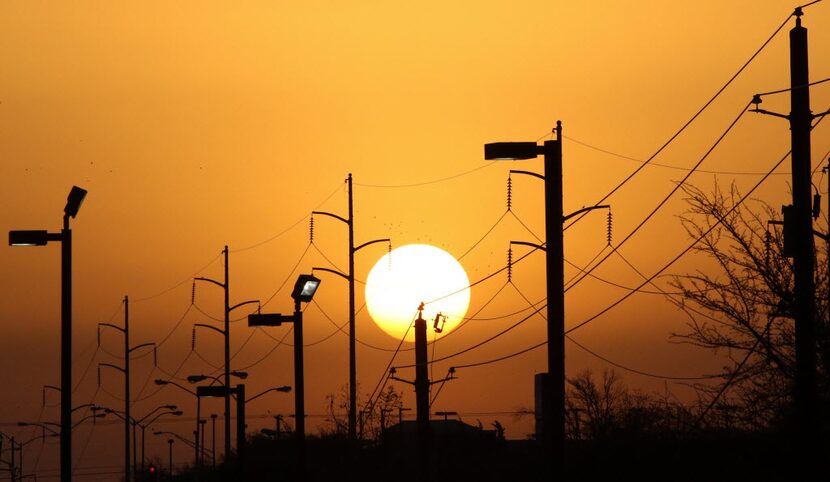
(412, 274)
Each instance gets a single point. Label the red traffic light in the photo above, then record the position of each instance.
(151, 469)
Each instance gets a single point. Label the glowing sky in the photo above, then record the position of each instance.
(199, 124)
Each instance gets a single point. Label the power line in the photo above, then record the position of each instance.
(483, 237)
(668, 166)
(189, 278)
(639, 372)
(385, 376)
(483, 342)
(794, 88)
(681, 254)
(690, 246)
(289, 276)
(694, 117)
(671, 193)
(425, 183)
(289, 228)
(502, 358)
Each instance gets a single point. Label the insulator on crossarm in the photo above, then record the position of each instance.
(99, 337)
(311, 229)
(509, 264)
(610, 227)
(155, 356)
(99, 377)
(193, 294)
(193, 343)
(509, 193)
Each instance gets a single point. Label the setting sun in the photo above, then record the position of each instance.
(412, 274)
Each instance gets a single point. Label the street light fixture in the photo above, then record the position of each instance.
(305, 287)
(41, 238)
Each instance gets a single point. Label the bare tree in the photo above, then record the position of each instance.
(600, 409)
(742, 309)
(371, 420)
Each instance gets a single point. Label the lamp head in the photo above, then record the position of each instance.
(510, 151)
(170, 407)
(196, 378)
(28, 238)
(305, 287)
(159, 381)
(239, 374)
(177, 413)
(284, 388)
(74, 200)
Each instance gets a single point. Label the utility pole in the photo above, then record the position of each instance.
(804, 256)
(350, 278)
(799, 245)
(227, 334)
(126, 371)
(553, 382)
(422, 385)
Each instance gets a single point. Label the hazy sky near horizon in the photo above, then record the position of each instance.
(199, 124)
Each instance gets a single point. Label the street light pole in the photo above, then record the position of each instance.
(170, 454)
(66, 352)
(304, 289)
(41, 238)
(213, 443)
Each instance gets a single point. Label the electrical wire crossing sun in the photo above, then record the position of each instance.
(409, 275)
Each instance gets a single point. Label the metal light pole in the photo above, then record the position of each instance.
(304, 289)
(350, 278)
(170, 454)
(161, 382)
(40, 238)
(144, 426)
(213, 443)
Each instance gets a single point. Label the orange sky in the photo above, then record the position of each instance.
(199, 124)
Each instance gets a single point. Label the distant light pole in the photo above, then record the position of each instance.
(213, 443)
(40, 238)
(227, 333)
(350, 278)
(170, 454)
(162, 382)
(175, 413)
(304, 289)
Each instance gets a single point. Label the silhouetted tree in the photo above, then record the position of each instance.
(369, 424)
(607, 409)
(743, 307)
